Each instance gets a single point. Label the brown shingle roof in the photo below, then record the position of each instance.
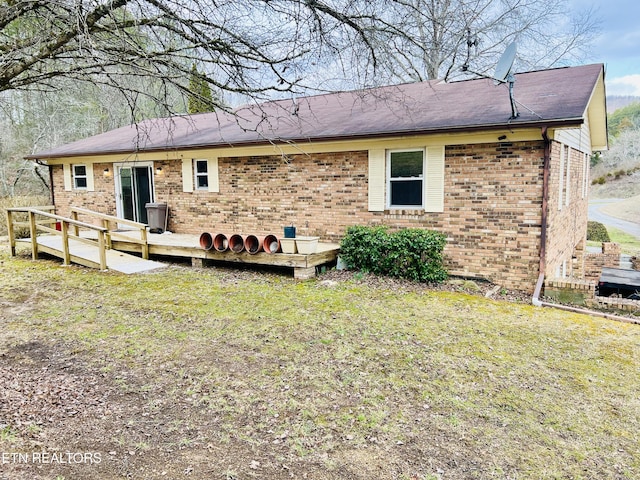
(547, 97)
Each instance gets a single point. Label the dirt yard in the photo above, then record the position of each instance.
(226, 374)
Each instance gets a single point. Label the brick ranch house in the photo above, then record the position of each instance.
(510, 193)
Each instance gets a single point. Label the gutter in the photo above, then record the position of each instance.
(283, 141)
(543, 231)
(535, 300)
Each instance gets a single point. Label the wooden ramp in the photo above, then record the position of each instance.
(89, 255)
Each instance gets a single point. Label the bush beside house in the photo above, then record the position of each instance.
(411, 253)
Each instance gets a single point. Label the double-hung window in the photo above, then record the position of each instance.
(405, 178)
(201, 169)
(80, 177)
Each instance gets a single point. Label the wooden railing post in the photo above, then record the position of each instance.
(145, 243)
(105, 225)
(65, 243)
(76, 229)
(102, 250)
(11, 232)
(33, 228)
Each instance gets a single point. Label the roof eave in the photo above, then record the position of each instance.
(556, 123)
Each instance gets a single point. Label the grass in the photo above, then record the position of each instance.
(353, 379)
(628, 243)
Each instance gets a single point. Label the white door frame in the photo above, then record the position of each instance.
(118, 187)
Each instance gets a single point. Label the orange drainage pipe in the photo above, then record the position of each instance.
(252, 244)
(221, 242)
(206, 241)
(271, 244)
(236, 243)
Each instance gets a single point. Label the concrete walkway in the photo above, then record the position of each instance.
(597, 215)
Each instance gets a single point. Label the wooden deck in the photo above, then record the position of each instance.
(185, 245)
(103, 245)
(88, 255)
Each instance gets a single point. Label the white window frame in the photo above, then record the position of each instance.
(197, 175)
(567, 196)
(75, 176)
(561, 182)
(585, 174)
(422, 178)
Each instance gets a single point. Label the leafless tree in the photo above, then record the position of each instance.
(255, 48)
(263, 48)
(440, 36)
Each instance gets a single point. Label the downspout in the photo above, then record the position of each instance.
(543, 248)
(543, 227)
(50, 168)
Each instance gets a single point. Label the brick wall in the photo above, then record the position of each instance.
(492, 217)
(595, 262)
(492, 213)
(102, 199)
(570, 291)
(567, 224)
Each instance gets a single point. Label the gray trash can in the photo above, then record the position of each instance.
(156, 216)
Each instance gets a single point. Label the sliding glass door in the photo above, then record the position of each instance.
(134, 189)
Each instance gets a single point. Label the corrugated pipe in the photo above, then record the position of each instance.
(221, 242)
(271, 244)
(236, 243)
(206, 241)
(253, 244)
(539, 303)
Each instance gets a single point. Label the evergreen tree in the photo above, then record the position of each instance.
(200, 98)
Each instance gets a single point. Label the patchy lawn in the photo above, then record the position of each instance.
(219, 374)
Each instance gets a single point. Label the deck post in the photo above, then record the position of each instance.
(145, 243)
(11, 232)
(102, 250)
(105, 225)
(33, 228)
(76, 229)
(66, 259)
(304, 273)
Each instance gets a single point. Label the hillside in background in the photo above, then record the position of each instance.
(615, 173)
(614, 102)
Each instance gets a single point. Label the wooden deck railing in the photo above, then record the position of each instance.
(108, 220)
(41, 221)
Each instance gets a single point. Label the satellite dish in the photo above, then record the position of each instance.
(503, 68)
(502, 72)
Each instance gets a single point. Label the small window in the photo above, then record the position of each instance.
(406, 179)
(202, 174)
(80, 177)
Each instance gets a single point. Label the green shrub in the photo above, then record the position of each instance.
(597, 232)
(414, 254)
(599, 181)
(362, 248)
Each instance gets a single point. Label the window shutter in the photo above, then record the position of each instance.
(376, 180)
(434, 185)
(66, 173)
(90, 184)
(212, 172)
(187, 175)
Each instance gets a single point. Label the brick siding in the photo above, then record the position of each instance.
(595, 262)
(567, 224)
(102, 199)
(492, 204)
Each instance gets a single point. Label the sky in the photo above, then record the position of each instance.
(618, 45)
